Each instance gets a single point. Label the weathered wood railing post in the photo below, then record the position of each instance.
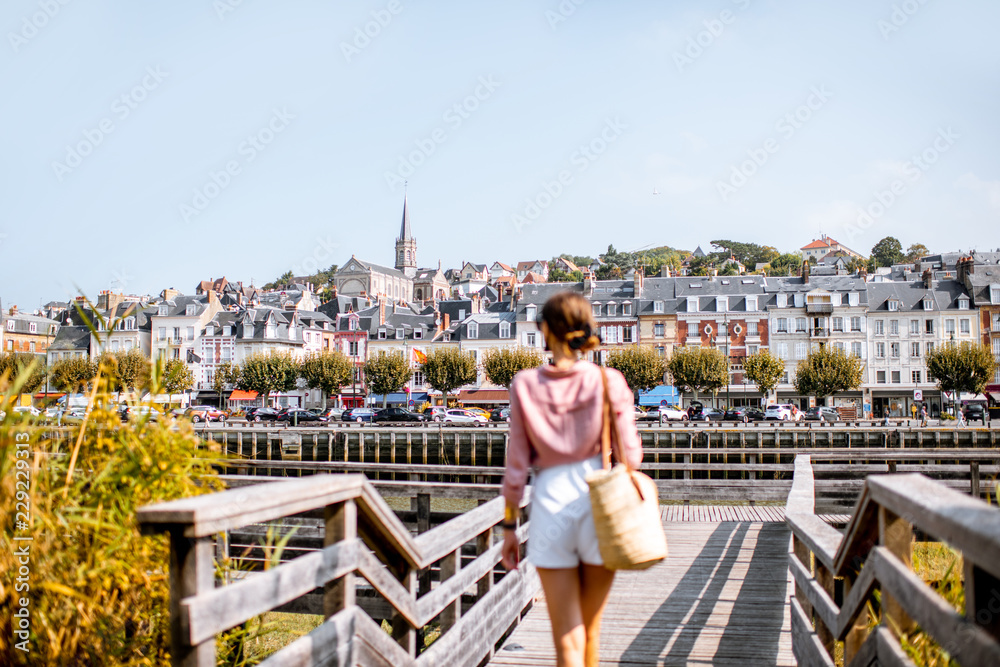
(896, 534)
(340, 523)
(974, 477)
(982, 598)
(191, 573)
(450, 565)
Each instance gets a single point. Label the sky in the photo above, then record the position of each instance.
(151, 145)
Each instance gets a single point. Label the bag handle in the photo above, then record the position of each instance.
(609, 425)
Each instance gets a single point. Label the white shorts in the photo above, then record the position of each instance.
(561, 530)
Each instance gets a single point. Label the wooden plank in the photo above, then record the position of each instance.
(381, 644)
(890, 653)
(340, 527)
(329, 644)
(808, 650)
(819, 600)
(437, 542)
(822, 539)
(191, 574)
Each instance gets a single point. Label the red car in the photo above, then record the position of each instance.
(205, 413)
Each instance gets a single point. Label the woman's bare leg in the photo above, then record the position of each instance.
(595, 587)
(562, 597)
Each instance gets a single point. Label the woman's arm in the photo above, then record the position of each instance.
(622, 402)
(518, 451)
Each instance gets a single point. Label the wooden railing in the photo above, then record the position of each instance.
(836, 574)
(363, 538)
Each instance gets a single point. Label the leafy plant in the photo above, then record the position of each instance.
(764, 370)
(26, 365)
(447, 369)
(73, 375)
(327, 371)
(177, 377)
(386, 372)
(271, 372)
(698, 369)
(828, 370)
(642, 367)
(501, 364)
(961, 367)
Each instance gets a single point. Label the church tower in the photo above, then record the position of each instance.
(406, 246)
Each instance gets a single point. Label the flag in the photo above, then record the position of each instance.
(419, 357)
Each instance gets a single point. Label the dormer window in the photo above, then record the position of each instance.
(461, 314)
(227, 330)
(399, 333)
(269, 330)
(597, 309)
(928, 303)
(418, 333)
(32, 327)
(162, 310)
(530, 312)
(721, 304)
(209, 330)
(612, 309)
(782, 300)
(191, 309)
(751, 303)
(995, 295)
(473, 329)
(800, 300)
(657, 306)
(10, 325)
(963, 303)
(505, 329)
(692, 304)
(129, 324)
(626, 309)
(381, 334)
(291, 332)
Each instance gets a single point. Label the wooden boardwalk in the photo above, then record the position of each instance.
(721, 598)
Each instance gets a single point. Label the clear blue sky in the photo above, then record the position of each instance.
(671, 96)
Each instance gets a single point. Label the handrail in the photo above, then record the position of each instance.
(362, 537)
(874, 554)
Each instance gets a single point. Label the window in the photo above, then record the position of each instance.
(840, 347)
(963, 303)
(162, 310)
(894, 350)
(784, 378)
(661, 351)
(32, 327)
(504, 330)
(929, 326)
(721, 304)
(752, 329)
(751, 303)
(895, 377)
(856, 349)
(893, 305)
(723, 329)
(880, 350)
(657, 306)
(209, 330)
(191, 309)
(801, 350)
(530, 313)
(914, 327)
(928, 304)
(473, 329)
(658, 330)
(418, 378)
(381, 334)
(530, 339)
(10, 325)
(612, 308)
(964, 326)
(880, 377)
(800, 324)
(400, 334)
(949, 327)
(114, 346)
(10, 345)
(915, 350)
(929, 347)
(418, 333)
(177, 334)
(626, 334)
(782, 300)
(996, 323)
(692, 304)
(782, 350)
(611, 334)
(879, 327)
(352, 324)
(782, 325)
(915, 377)
(838, 323)
(177, 353)
(352, 348)
(227, 330)
(855, 324)
(893, 327)
(995, 294)
(752, 349)
(461, 314)
(693, 329)
(161, 333)
(597, 309)
(626, 309)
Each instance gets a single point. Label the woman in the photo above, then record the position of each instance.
(556, 414)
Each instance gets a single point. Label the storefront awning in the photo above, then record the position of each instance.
(483, 396)
(994, 397)
(240, 395)
(399, 398)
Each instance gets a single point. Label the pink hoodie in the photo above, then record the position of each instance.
(563, 410)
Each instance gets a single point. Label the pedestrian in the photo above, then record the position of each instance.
(556, 417)
(961, 416)
(885, 420)
(923, 416)
(913, 410)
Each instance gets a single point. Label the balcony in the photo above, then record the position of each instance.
(819, 332)
(819, 307)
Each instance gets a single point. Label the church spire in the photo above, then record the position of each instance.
(406, 245)
(404, 228)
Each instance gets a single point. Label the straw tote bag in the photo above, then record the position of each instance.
(625, 505)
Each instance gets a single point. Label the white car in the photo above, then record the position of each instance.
(27, 409)
(673, 413)
(460, 416)
(783, 412)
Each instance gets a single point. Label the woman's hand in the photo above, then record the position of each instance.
(511, 551)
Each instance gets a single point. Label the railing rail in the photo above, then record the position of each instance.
(361, 537)
(874, 553)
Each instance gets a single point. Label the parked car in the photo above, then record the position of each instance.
(140, 412)
(358, 415)
(300, 416)
(261, 415)
(672, 413)
(646, 415)
(398, 415)
(744, 414)
(463, 416)
(500, 415)
(822, 413)
(435, 413)
(27, 410)
(709, 415)
(783, 412)
(332, 414)
(73, 416)
(205, 413)
(972, 412)
(479, 411)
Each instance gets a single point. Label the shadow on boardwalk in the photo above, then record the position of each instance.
(751, 634)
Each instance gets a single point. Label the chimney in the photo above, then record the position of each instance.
(805, 272)
(13, 310)
(381, 312)
(637, 283)
(169, 293)
(588, 287)
(928, 278)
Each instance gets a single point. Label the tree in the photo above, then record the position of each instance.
(449, 368)
(747, 254)
(270, 372)
(327, 371)
(128, 370)
(642, 367)
(560, 276)
(226, 374)
(386, 373)
(177, 377)
(501, 364)
(961, 367)
(785, 264)
(74, 374)
(887, 252)
(764, 370)
(826, 371)
(16, 366)
(698, 369)
(916, 251)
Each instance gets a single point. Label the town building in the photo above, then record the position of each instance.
(826, 247)
(26, 332)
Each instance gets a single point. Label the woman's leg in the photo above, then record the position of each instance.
(562, 597)
(595, 586)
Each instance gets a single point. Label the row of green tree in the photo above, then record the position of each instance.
(127, 371)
